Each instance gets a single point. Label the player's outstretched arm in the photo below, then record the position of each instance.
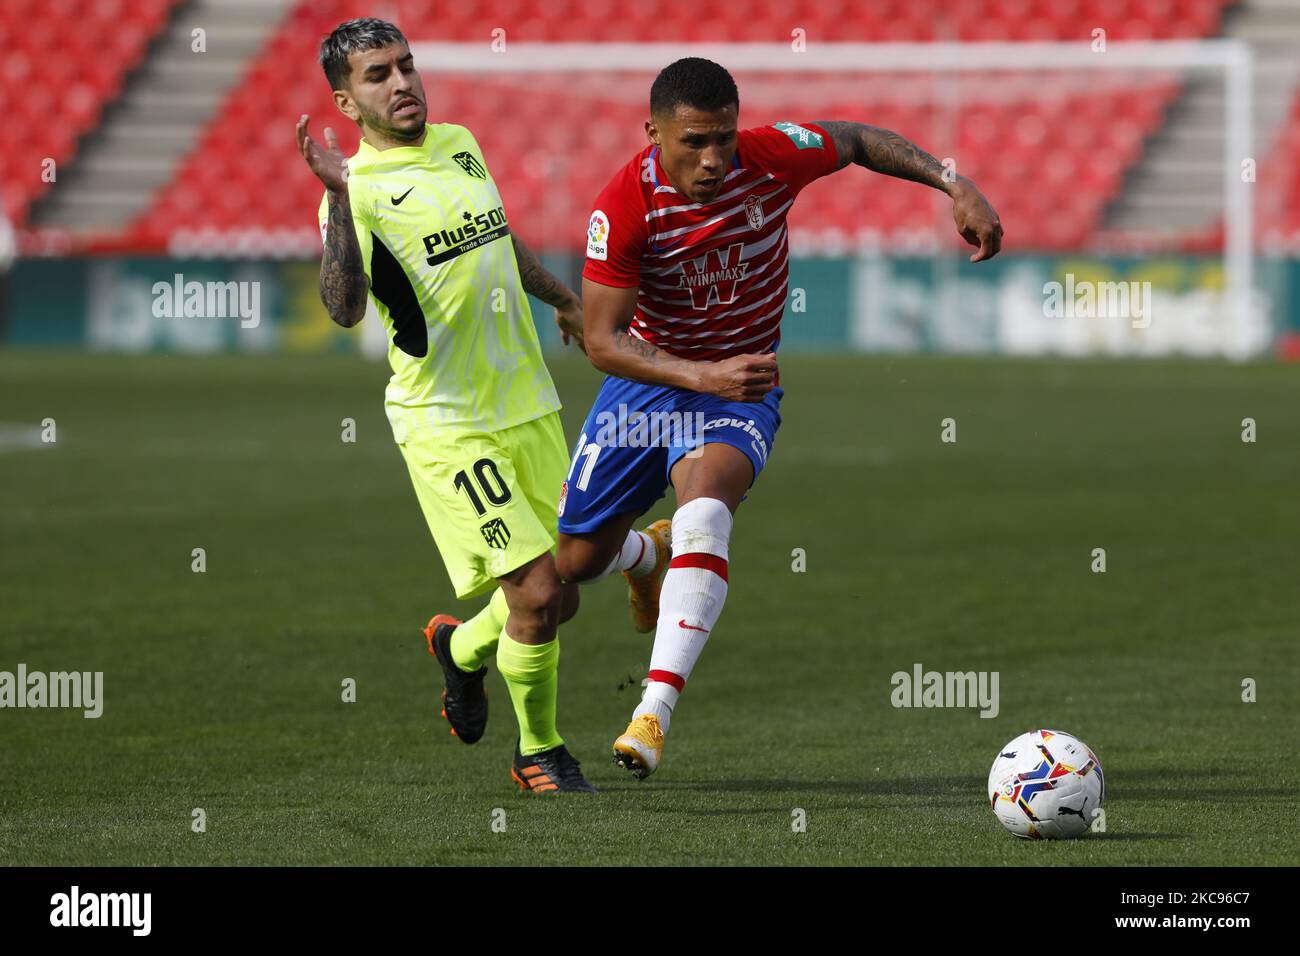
(541, 282)
(343, 282)
(884, 151)
(607, 315)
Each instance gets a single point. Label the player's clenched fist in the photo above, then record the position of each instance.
(328, 163)
(741, 378)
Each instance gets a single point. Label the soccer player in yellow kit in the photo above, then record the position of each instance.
(414, 221)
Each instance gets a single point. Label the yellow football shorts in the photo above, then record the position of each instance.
(489, 497)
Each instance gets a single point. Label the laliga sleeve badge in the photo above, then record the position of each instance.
(598, 236)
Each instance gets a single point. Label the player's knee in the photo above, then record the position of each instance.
(540, 603)
(702, 524)
(577, 561)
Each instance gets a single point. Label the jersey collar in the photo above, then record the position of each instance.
(657, 175)
(367, 154)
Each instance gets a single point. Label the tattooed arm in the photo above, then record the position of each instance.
(343, 282)
(883, 151)
(607, 316)
(541, 282)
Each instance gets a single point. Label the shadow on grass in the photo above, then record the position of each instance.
(930, 788)
(1217, 795)
(960, 790)
(1110, 836)
(780, 811)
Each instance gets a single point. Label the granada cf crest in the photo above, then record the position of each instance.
(754, 211)
(496, 534)
(469, 162)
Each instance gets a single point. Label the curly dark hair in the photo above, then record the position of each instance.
(695, 82)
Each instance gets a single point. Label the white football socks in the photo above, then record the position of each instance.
(637, 556)
(659, 699)
(690, 602)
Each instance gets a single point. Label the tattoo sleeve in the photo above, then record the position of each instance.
(638, 360)
(625, 341)
(537, 279)
(343, 282)
(884, 151)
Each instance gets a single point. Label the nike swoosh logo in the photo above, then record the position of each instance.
(691, 627)
(398, 200)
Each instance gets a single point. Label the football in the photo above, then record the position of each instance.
(1046, 785)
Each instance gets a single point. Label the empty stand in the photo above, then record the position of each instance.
(63, 61)
(1050, 163)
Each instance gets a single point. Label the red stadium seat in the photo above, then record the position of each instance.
(1075, 153)
(99, 44)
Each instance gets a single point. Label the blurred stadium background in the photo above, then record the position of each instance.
(159, 141)
(146, 139)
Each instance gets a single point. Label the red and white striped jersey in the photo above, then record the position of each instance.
(711, 277)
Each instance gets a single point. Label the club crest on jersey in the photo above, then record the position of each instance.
(598, 236)
(754, 212)
(712, 278)
(469, 162)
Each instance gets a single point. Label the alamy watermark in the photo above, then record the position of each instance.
(36, 689)
(922, 688)
(75, 908)
(624, 428)
(179, 299)
(1085, 299)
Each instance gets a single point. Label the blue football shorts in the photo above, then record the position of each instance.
(635, 434)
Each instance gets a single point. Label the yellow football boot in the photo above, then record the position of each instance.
(641, 746)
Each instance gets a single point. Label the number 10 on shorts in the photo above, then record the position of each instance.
(490, 485)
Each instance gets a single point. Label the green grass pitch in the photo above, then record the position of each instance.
(223, 689)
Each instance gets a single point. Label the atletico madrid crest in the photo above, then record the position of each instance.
(469, 162)
(496, 534)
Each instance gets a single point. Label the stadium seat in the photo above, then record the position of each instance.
(1009, 138)
(100, 43)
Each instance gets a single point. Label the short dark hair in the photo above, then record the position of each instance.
(695, 82)
(363, 33)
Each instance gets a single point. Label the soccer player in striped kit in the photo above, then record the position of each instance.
(683, 292)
